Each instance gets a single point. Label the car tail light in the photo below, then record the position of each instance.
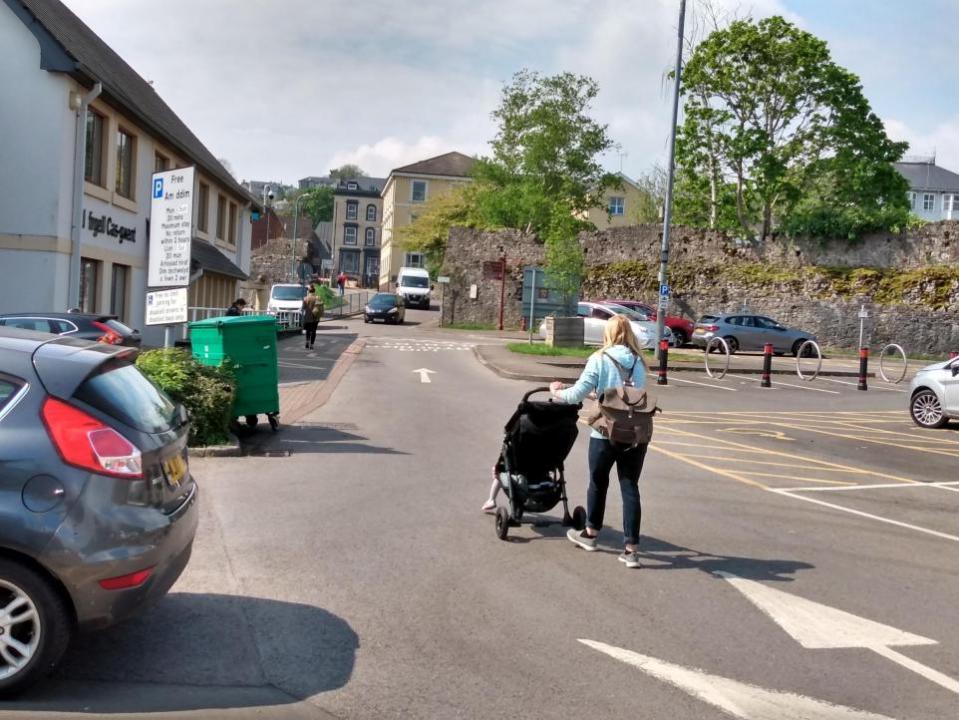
(85, 442)
(127, 581)
(109, 336)
(710, 328)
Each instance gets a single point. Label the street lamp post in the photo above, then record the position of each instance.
(296, 226)
(668, 210)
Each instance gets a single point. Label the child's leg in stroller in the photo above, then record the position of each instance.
(494, 489)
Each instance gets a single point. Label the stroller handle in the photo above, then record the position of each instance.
(534, 391)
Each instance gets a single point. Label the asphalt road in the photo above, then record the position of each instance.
(800, 555)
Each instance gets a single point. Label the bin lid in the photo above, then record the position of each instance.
(233, 321)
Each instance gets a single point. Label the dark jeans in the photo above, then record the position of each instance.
(629, 464)
(310, 329)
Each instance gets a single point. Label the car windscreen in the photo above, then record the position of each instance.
(288, 293)
(414, 281)
(385, 301)
(121, 391)
(118, 327)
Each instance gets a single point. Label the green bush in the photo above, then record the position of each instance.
(330, 299)
(206, 392)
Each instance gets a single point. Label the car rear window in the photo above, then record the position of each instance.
(118, 327)
(706, 319)
(8, 390)
(121, 391)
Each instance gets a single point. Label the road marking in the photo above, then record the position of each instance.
(425, 374)
(777, 383)
(287, 364)
(709, 385)
(802, 479)
(860, 513)
(876, 486)
(816, 627)
(739, 699)
(702, 466)
(872, 386)
(774, 434)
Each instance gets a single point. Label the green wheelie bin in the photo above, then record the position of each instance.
(249, 341)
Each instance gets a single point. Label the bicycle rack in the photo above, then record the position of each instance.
(905, 363)
(725, 346)
(799, 357)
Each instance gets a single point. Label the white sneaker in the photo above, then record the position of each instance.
(631, 558)
(582, 539)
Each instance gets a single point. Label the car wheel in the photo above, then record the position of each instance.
(798, 345)
(926, 410)
(36, 625)
(733, 344)
(680, 337)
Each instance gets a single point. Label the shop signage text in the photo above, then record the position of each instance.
(104, 225)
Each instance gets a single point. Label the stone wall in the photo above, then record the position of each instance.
(271, 262)
(793, 281)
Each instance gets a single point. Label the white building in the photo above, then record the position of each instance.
(48, 61)
(933, 191)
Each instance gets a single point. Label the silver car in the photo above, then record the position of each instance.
(746, 331)
(934, 394)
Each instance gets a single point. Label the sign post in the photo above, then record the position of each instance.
(171, 233)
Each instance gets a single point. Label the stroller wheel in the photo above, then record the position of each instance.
(579, 517)
(502, 523)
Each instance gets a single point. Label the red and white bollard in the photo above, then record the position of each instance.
(767, 366)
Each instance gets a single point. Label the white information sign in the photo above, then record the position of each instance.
(166, 307)
(171, 228)
(443, 279)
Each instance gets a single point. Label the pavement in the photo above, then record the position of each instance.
(799, 548)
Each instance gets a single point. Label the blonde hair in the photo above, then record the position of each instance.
(619, 331)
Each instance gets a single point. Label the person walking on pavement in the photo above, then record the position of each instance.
(312, 311)
(620, 347)
(341, 282)
(237, 307)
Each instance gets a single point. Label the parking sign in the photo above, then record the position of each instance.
(664, 290)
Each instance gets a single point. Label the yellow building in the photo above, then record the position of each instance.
(621, 205)
(405, 189)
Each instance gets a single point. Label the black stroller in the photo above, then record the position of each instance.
(538, 437)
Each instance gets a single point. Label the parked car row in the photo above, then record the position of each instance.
(100, 328)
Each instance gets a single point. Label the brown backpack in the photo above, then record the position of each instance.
(625, 413)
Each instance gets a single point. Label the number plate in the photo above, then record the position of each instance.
(175, 470)
(698, 331)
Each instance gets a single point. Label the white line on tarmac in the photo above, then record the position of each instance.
(877, 486)
(873, 386)
(709, 385)
(870, 516)
(284, 363)
(801, 387)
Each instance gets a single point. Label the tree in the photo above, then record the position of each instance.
(345, 172)
(776, 135)
(652, 196)
(316, 203)
(430, 230)
(544, 173)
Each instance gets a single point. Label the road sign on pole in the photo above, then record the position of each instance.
(171, 228)
(166, 307)
(664, 290)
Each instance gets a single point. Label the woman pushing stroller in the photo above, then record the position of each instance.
(619, 359)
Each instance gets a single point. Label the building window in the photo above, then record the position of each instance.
(352, 208)
(414, 259)
(231, 238)
(89, 282)
(350, 262)
(203, 208)
(352, 186)
(93, 166)
(349, 235)
(419, 191)
(370, 237)
(371, 213)
(220, 217)
(126, 164)
(160, 163)
(118, 291)
(617, 206)
(928, 201)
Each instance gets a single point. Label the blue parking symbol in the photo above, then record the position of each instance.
(158, 188)
(664, 290)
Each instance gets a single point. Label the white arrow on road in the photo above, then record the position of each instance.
(739, 699)
(425, 374)
(814, 625)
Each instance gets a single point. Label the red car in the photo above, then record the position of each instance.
(681, 327)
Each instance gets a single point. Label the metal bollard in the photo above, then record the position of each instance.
(663, 361)
(863, 368)
(767, 365)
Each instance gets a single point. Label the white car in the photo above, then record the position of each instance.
(642, 319)
(286, 298)
(934, 394)
(594, 323)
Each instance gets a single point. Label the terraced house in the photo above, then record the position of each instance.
(357, 228)
(83, 244)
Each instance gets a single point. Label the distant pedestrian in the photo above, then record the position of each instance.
(237, 307)
(312, 311)
(619, 358)
(341, 282)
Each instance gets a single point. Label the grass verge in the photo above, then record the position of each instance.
(468, 326)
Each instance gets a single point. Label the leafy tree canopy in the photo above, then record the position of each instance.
(778, 136)
(344, 172)
(316, 203)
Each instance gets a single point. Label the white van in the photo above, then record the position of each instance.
(286, 297)
(413, 284)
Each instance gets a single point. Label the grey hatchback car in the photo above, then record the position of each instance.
(98, 509)
(745, 331)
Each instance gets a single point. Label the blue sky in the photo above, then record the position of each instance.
(292, 88)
